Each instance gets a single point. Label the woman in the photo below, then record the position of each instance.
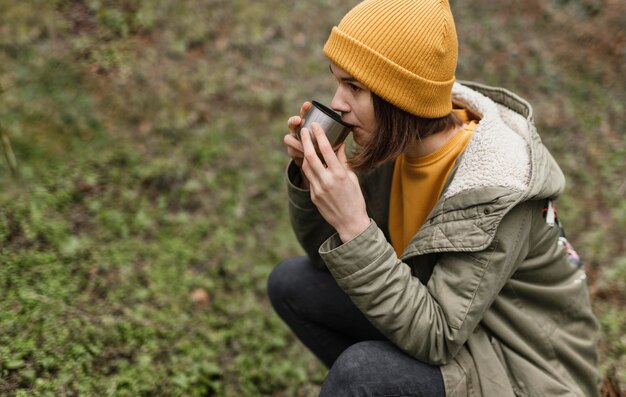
(437, 270)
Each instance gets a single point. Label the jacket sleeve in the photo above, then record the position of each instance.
(430, 322)
(308, 224)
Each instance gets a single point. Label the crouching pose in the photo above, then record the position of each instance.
(433, 262)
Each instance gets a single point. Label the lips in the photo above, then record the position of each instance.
(352, 126)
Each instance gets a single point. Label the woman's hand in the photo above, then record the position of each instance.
(294, 146)
(335, 188)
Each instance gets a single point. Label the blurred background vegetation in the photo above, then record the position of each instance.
(142, 204)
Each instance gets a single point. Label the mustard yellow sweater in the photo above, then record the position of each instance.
(418, 181)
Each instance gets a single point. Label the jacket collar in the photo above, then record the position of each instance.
(504, 163)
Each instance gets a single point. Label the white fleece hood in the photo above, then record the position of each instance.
(498, 154)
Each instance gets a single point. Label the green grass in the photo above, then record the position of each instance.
(148, 143)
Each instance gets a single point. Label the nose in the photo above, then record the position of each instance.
(339, 104)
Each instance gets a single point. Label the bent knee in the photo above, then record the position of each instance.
(380, 368)
(283, 282)
(358, 363)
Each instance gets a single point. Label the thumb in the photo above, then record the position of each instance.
(341, 156)
(343, 159)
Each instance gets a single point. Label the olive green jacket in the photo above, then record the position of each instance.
(483, 290)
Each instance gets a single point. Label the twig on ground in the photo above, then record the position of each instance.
(6, 147)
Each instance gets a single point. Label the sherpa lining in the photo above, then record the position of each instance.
(498, 153)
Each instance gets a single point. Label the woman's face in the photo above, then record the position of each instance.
(354, 101)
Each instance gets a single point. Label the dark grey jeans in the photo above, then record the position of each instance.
(362, 361)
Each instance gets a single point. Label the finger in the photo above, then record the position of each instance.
(295, 153)
(310, 155)
(341, 155)
(293, 142)
(293, 123)
(294, 149)
(305, 107)
(326, 149)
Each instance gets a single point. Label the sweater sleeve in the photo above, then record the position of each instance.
(308, 224)
(430, 322)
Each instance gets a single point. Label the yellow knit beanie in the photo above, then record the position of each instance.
(405, 51)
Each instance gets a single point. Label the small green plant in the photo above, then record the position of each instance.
(147, 138)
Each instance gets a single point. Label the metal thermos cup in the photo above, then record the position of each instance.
(336, 130)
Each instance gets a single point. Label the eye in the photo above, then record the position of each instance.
(354, 88)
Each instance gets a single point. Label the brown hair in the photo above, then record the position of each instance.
(397, 129)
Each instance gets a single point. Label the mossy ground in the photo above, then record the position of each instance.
(147, 138)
